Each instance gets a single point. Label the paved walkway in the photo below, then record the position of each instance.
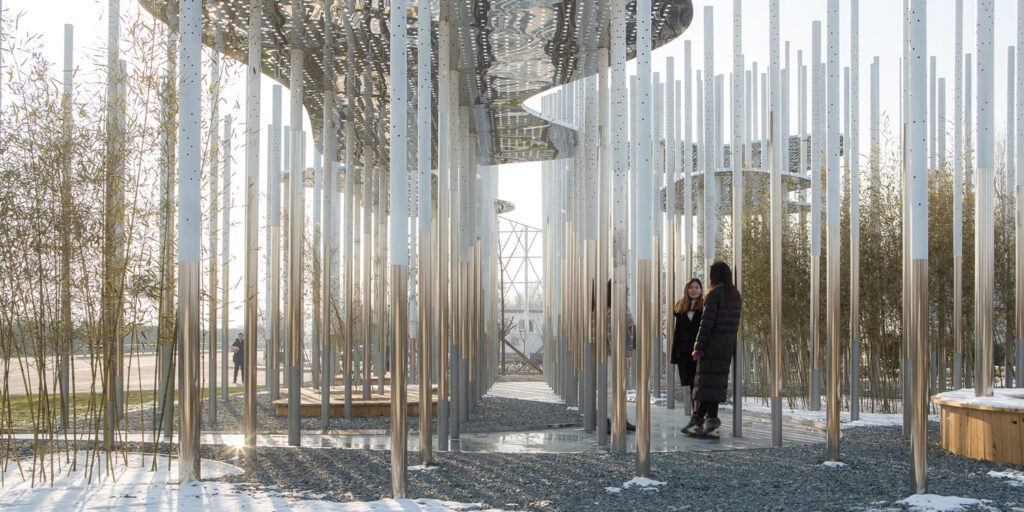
(665, 435)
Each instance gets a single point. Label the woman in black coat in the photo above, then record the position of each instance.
(687, 313)
(714, 350)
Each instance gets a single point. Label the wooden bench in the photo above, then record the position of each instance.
(986, 428)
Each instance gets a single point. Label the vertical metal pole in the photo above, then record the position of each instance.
(367, 239)
(189, 217)
(589, 235)
(620, 237)
(671, 244)
(853, 149)
(657, 178)
(110, 317)
(958, 200)
(985, 205)
(643, 228)
(65, 263)
(252, 211)
(225, 261)
(775, 142)
(817, 154)
(918, 181)
(444, 163)
(906, 370)
(1019, 200)
(603, 243)
(399, 230)
(212, 220)
(738, 196)
(688, 206)
(351, 210)
(425, 141)
(296, 228)
(165, 331)
(708, 160)
(832, 202)
(330, 245)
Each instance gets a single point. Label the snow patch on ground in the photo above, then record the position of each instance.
(834, 464)
(936, 503)
(422, 468)
(867, 419)
(1014, 477)
(613, 490)
(643, 483)
(132, 485)
(572, 408)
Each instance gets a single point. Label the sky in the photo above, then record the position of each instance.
(880, 35)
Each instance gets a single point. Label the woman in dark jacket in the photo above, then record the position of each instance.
(687, 313)
(713, 351)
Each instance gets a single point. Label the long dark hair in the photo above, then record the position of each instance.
(721, 277)
(686, 303)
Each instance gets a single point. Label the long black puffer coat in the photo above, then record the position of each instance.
(684, 337)
(717, 340)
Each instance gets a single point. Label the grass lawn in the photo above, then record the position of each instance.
(26, 411)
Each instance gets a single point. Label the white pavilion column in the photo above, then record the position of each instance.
(296, 227)
(671, 242)
(958, 201)
(444, 162)
(351, 211)
(329, 248)
(643, 228)
(776, 192)
(709, 158)
(424, 140)
(853, 150)
(738, 196)
(399, 232)
(1019, 200)
(252, 209)
(604, 242)
(66, 346)
(620, 237)
(189, 217)
(687, 201)
(832, 276)
(984, 247)
(225, 253)
(817, 152)
(212, 219)
(110, 316)
(917, 137)
(274, 246)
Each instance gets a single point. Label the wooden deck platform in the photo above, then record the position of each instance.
(986, 428)
(377, 405)
(339, 380)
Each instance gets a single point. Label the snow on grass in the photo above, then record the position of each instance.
(936, 503)
(867, 419)
(834, 464)
(1014, 477)
(132, 485)
(643, 483)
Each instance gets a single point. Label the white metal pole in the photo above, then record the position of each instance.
(984, 203)
(65, 281)
(833, 206)
(738, 195)
(643, 228)
(399, 231)
(189, 217)
(214, 197)
(817, 154)
(688, 164)
(918, 190)
(620, 242)
(775, 166)
(225, 252)
(853, 149)
(958, 201)
(252, 209)
(708, 160)
(296, 227)
(1019, 199)
(425, 141)
(274, 247)
(329, 249)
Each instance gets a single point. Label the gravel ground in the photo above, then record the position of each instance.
(492, 414)
(791, 478)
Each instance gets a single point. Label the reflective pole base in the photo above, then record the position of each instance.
(643, 347)
(776, 404)
(958, 369)
(399, 402)
(815, 399)
(854, 380)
